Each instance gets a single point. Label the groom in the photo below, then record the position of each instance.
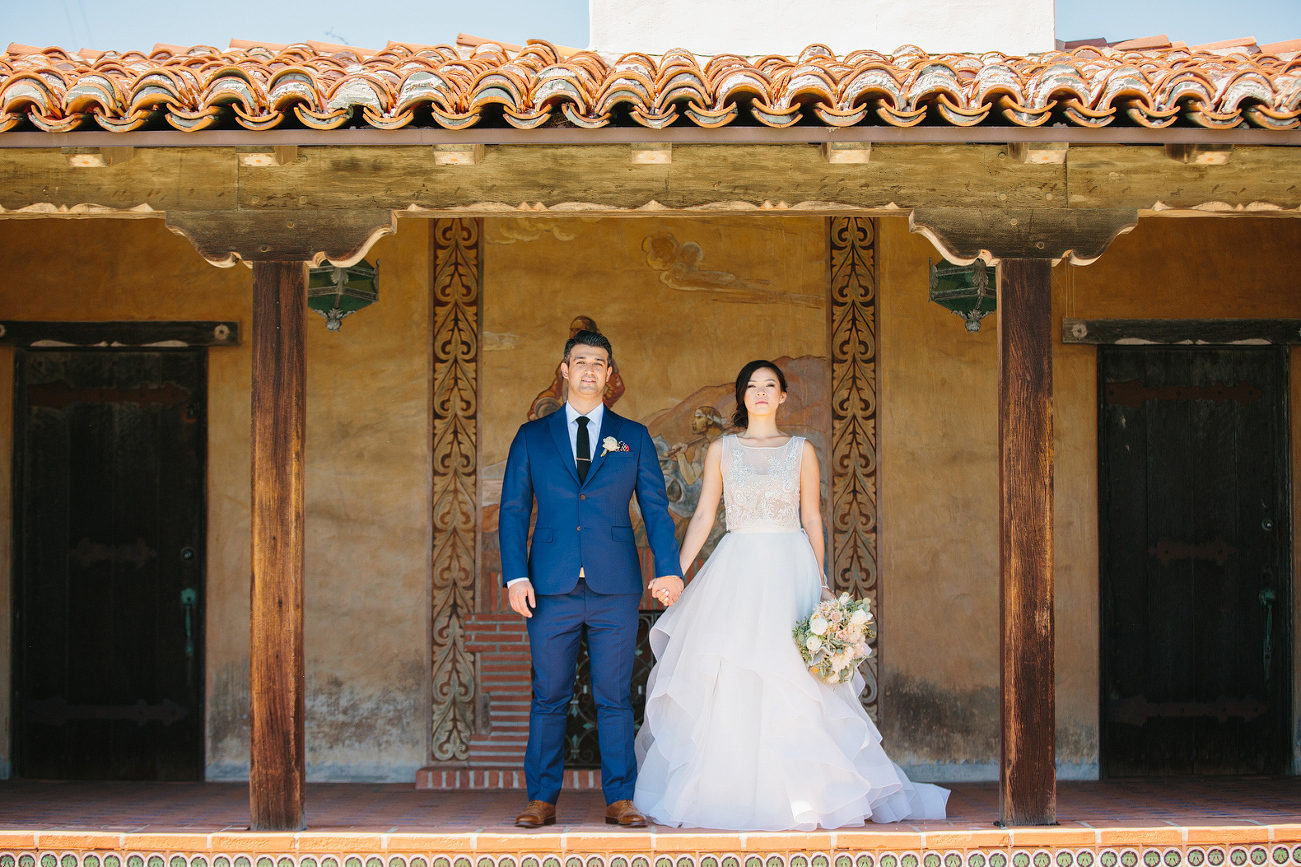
(583, 463)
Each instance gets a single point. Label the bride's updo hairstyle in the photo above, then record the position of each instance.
(741, 417)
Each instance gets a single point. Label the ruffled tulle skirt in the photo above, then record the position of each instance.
(737, 734)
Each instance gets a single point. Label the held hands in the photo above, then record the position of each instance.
(521, 598)
(666, 589)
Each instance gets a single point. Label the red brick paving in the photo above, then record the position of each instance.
(386, 808)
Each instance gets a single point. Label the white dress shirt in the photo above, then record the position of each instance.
(593, 429)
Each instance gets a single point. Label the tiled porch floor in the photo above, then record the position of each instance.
(379, 808)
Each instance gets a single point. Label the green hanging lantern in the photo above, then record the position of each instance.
(967, 290)
(336, 293)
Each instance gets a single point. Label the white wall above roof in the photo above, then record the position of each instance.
(753, 27)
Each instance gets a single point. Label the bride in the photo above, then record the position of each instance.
(738, 735)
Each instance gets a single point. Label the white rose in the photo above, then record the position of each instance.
(813, 644)
(818, 625)
(831, 679)
(859, 618)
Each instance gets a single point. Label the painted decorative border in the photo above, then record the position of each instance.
(852, 286)
(1261, 855)
(457, 282)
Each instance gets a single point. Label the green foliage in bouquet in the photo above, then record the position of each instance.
(834, 638)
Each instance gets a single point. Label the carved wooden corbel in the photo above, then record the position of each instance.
(964, 235)
(339, 237)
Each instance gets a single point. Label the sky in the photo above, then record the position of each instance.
(139, 24)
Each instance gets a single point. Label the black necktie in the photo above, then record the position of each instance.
(584, 449)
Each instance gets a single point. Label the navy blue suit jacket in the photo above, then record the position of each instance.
(585, 526)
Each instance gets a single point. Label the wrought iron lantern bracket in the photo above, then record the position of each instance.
(967, 290)
(337, 293)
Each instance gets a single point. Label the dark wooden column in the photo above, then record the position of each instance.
(1026, 243)
(279, 245)
(277, 758)
(1027, 773)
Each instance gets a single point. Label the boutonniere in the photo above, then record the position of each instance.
(610, 444)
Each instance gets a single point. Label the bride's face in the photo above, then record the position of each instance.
(764, 393)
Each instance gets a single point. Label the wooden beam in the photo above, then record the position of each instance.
(847, 152)
(564, 178)
(458, 154)
(1038, 153)
(964, 235)
(600, 177)
(1192, 332)
(579, 179)
(1027, 773)
(1145, 177)
(156, 180)
(652, 153)
(1199, 154)
(97, 158)
(224, 237)
(267, 156)
(118, 335)
(277, 754)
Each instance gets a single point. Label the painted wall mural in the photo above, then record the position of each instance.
(680, 333)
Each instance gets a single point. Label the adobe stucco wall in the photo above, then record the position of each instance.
(787, 26)
(939, 475)
(367, 466)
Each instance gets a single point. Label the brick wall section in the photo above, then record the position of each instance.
(500, 645)
(498, 640)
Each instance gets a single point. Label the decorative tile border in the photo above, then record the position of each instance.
(1281, 849)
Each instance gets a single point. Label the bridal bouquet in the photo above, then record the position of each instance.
(833, 639)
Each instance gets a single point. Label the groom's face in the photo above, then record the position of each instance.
(587, 370)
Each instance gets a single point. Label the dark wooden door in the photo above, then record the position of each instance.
(109, 460)
(1196, 586)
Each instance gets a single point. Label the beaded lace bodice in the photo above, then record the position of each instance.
(761, 486)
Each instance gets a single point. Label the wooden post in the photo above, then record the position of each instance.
(1027, 777)
(1026, 241)
(277, 766)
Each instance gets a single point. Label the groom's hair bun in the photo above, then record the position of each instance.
(589, 338)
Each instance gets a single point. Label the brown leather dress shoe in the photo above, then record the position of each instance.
(537, 814)
(625, 814)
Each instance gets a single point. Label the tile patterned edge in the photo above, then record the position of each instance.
(1234, 848)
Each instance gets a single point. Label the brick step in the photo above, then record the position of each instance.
(496, 778)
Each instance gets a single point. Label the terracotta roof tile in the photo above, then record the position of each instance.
(1248, 43)
(1147, 42)
(320, 86)
(1290, 47)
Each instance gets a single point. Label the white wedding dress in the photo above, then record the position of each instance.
(737, 734)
